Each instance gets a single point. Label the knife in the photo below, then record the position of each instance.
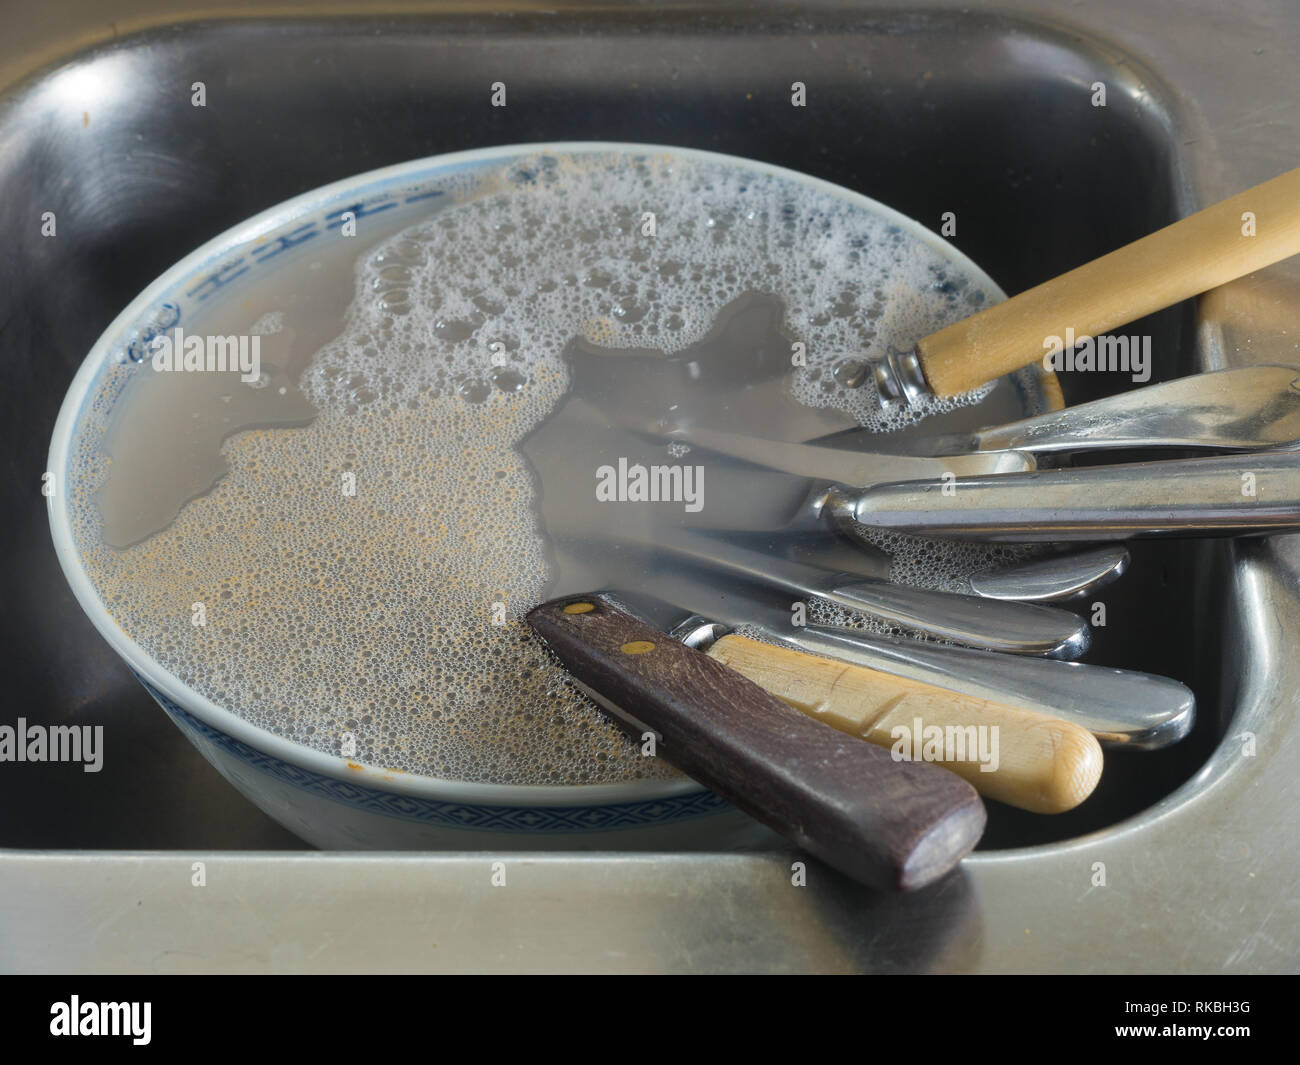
(846, 466)
(1056, 577)
(997, 625)
(1253, 493)
(1120, 707)
(1037, 762)
(814, 460)
(890, 824)
(1024, 759)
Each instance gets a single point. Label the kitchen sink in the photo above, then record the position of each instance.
(985, 114)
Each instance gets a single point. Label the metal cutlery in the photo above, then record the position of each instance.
(842, 465)
(1120, 707)
(1256, 407)
(1253, 493)
(1056, 577)
(1250, 493)
(1016, 628)
(1026, 759)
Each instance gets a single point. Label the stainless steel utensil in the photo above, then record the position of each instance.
(843, 465)
(1251, 493)
(825, 509)
(1039, 762)
(1227, 410)
(1057, 577)
(1016, 628)
(1122, 708)
(1227, 495)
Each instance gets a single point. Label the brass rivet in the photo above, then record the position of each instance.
(637, 647)
(579, 608)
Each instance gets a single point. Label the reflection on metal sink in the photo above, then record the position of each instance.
(988, 117)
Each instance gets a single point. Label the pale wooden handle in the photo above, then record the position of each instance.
(1199, 253)
(1043, 764)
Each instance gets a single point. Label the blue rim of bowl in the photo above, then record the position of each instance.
(219, 251)
(458, 814)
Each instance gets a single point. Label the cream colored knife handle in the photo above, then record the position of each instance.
(1244, 233)
(1016, 756)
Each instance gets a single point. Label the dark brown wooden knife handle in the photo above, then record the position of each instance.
(896, 825)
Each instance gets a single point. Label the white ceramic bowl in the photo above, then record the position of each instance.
(330, 800)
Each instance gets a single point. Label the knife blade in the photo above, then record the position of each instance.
(816, 460)
(998, 625)
(845, 466)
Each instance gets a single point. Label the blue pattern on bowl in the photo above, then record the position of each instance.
(553, 819)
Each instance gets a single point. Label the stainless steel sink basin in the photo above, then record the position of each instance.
(985, 115)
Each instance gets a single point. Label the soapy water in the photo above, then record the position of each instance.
(393, 616)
